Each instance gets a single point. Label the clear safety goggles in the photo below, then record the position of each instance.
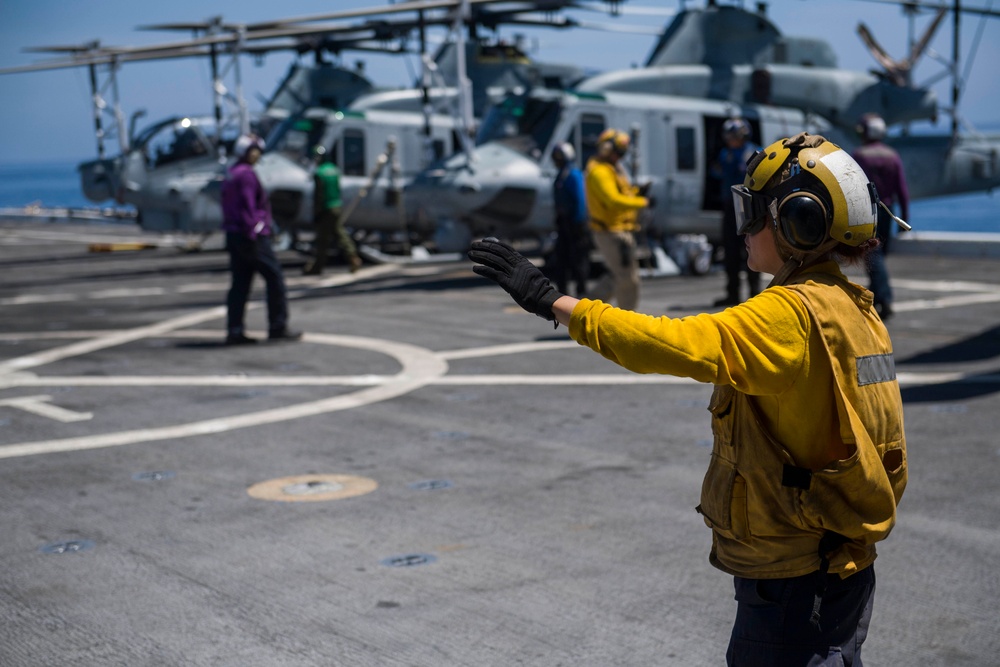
(752, 210)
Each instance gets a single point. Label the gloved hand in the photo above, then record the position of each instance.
(650, 202)
(644, 188)
(520, 278)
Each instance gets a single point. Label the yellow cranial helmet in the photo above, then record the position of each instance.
(811, 189)
(619, 140)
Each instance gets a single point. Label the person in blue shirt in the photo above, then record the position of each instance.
(730, 169)
(571, 259)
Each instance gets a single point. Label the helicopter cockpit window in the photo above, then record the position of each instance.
(172, 142)
(354, 153)
(524, 124)
(295, 138)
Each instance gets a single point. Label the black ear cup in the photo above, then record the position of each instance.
(803, 221)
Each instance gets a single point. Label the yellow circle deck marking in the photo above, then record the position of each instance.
(312, 488)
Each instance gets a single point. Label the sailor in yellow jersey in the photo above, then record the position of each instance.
(613, 205)
(809, 459)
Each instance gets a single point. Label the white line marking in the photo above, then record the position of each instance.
(40, 405)
(512, 348)
(109, 340)
(419, 368)
(945, 302)
(632, 379)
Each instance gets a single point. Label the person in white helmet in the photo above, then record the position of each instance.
(884, 167)
(730, 168)
(246, 219)
(571, 257)
(809, 459)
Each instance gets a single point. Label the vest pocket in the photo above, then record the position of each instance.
(721, 406)
(724, 499)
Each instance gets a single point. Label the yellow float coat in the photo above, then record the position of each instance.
(804, 378)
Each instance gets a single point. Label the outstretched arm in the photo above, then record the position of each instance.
(563, 309)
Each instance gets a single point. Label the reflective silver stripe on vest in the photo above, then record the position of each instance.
(876, 368)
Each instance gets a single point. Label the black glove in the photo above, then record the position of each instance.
(644, 189)
(520, 278)
(650, 202)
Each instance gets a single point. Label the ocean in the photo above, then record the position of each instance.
(57, 185)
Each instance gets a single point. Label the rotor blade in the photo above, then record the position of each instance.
(104, 60)
(79, 48)
(626, 10)
(934, 6)
(925, 39)
(408, 6)
(191, 25)
(890, 65)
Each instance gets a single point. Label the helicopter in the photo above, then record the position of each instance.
(171, 170)
(675, 113)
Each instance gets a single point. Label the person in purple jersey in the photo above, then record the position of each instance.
(246, 219)
(883, 167)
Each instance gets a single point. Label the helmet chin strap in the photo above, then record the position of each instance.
(796, 259)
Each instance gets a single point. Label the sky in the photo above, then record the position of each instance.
(47, 115)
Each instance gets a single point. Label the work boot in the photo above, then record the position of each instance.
(240, 339)
(284, 335)
(355, 263)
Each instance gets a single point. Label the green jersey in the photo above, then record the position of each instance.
(326, 180)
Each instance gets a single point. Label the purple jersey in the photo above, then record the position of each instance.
(245, 206)
(884, 168)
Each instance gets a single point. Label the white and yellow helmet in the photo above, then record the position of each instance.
(813, 190)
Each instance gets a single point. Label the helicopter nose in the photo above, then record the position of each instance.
(497, 189)
(289, 187)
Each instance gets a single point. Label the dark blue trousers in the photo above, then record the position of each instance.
(246, 257)
(773, 621)
(878, 273)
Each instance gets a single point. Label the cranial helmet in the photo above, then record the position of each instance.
(245, 143)
(566, 150)
(812, 190)
(736, 127)
(871, 127)
(619, 141)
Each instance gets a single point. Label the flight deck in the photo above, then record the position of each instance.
(431, 477)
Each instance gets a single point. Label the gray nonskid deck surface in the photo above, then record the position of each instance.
(534, 502)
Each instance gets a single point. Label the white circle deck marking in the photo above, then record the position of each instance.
(420, 367)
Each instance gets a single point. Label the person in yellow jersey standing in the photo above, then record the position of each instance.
(809, 460)
(613, 204)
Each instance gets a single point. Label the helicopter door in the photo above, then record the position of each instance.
(683, 168)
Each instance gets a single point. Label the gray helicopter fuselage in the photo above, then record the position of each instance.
(358, 141)
(505, 189)
(841, 96)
